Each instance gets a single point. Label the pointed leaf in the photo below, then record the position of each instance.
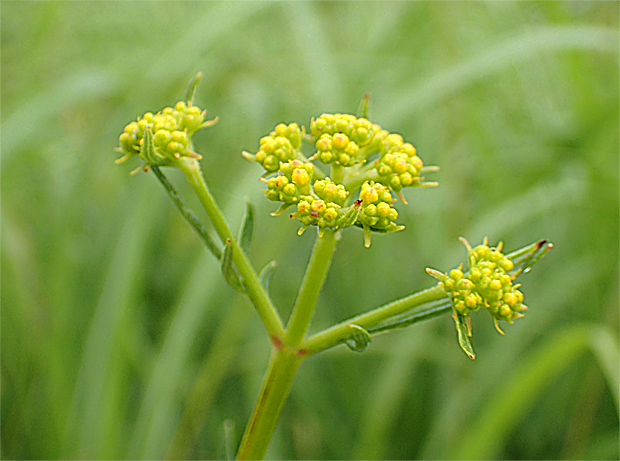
(435, 273)
(246, 230)
(229, 429)
(266, 273)
(364, 107)
(360, 338)
(187, 213)
(191, 89)
(463, 330)
(349, 216)
(228, 270)
(526, 257)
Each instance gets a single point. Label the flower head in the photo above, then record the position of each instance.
(357, 191)
(487, 284)
(163, 138)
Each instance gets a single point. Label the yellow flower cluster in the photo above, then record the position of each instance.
(170, 129)
(487, 284)
(345, 143)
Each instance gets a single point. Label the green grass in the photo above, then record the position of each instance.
(120, 339)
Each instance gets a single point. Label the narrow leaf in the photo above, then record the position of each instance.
(281, 209)
(187, 213)
(246, 230)
(463, 330)
(359, 340)
(266, 273)
(526, 257)
(364, 107)
(426, 311)
(367, 236)
(191, 89)
(228, 270)
(229, 439)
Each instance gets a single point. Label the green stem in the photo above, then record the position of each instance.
(337, 173)
(372, 320)
(257, 294)
(287, 358)
(359, 179)
(276, 387)
(311, 286)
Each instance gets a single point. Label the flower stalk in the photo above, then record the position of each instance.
(316, 273)
(419, 306)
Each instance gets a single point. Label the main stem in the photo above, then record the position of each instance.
(276, 388)
(257, 294)
(286, 357)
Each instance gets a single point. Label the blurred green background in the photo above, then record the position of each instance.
(121, 340)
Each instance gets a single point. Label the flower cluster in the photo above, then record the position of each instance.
(293, 180)
(358, 191)
(170, 130)
(339, 138)
(399, 167)
(377, 213)
(487, 284)
(282, 145)
(316, 212)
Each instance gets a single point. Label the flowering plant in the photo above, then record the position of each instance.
(349, 180)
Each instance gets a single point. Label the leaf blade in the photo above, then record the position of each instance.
(246, 230)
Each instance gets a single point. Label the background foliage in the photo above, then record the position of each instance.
(121, 340)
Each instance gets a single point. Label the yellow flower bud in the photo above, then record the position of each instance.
(324, 143)
(401, 165)
(510, 299)
(505, 311)
(495, 285)
(340, 141)
(318, 206)
(369, 194)
(300, 177)
(471, 301)
(383, 210)
(456, 274)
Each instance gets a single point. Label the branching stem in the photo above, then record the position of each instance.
(374, 320)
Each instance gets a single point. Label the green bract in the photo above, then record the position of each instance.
(367, 163)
